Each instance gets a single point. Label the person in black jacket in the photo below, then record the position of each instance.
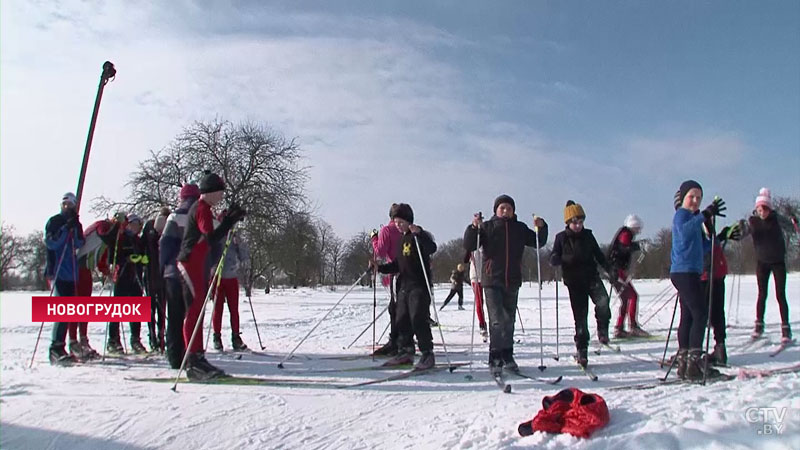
(770, 246)
(153, 279)
(457, 287)
(576, 250)
(413, 294)
(503, 239)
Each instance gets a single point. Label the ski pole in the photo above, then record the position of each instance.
(289, 355)
(713, 233)
(433, 302)
(52, 289)
(214, 298)
(666, 302)
(252, 311)
(474, 303)
(374, 309)
(367, 328)
(557, 329)
(669, 333)
(201, 316)
(542, 367)
(730, 300)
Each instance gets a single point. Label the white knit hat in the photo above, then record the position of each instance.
(764, 198)
(633, 221)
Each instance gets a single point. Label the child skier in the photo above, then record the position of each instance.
(503, 239)
(385, 245)
(576, 250)
(688, 247)
(620, 253)
(456, 287)
(228, 289)
(765, 225)
(413, 295)
(734, 232)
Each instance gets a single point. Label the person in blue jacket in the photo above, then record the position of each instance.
(689, 244)
(63, 236)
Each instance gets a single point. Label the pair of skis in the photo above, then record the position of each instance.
(499, 379)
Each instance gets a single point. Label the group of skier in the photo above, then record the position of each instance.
(175, 258)
(171, 258)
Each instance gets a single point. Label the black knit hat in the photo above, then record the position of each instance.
(686, 186)
(403, 211)
(211, 182)
(504, 199)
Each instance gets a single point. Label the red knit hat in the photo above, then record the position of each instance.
(189, 190)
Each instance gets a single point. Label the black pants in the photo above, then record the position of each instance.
(579, 295)
(460, 291)
(126, 290)
(176, 306)
(717, 308)
(762, 275)
(694, 310)
(392, 310)
(155, 328)
(59, 336)
(413, 311)
(501, 305)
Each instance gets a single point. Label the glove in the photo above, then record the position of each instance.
(235, 213)
(715, 208)
(373, 234)
(72, 221)
(732, 232)
(120, 217)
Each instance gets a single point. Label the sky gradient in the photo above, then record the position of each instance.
(443, 106)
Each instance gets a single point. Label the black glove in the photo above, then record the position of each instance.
(715, 208)
(732, 232)
(235, 213)
(72, 221)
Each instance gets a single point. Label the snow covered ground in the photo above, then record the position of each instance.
(98, 406)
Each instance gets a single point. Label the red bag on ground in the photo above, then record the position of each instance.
(570, 411)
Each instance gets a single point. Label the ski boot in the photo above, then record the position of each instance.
(582, 357)
(682, 357)
(59, 357)
(508, 359)
(237, 344)
(495, 363)
(199, 369)
(137, 348)
(75, 350)
(87, 350)
(602, 333)
(484, 333)
(114, 347)
(696, 364)
(720, 355)
(426, 361)
(404, 356)
(620, 333)
(638, 332)
(460, 308)
(758, 331)
(786, 334)
(387, 349)
(432, 323)
(217, 341)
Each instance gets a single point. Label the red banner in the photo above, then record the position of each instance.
(90, 309)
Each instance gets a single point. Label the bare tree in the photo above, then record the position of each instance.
(357, 253)
(334, 254)
(33, 260)
(10, 254)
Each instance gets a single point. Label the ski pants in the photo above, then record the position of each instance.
(694, 310)
(125, 290)
(155, 328)
(176, 305)
(460, 291)
(778, 271)
(63, 289)
(477, 290)
(628, 305)
(83, 289)
(413, 311)
(579, 295)
(393, 309)
(195, 289)
(227, 290)
(717, 308)
(501, 304)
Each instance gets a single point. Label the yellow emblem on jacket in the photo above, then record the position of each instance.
(407, 249)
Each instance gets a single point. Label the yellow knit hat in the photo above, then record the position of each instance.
(573, 210)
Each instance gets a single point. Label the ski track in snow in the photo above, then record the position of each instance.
(97, 406)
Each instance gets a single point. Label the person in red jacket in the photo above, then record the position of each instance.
(199, 235)
(734, 232)
(620, 256)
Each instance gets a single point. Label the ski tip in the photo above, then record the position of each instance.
(555, 358)
(507, 389)
(558, 380)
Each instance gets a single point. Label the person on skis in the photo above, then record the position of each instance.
(413, 291)
(385, 245)
(766, 226)
(576, 250)
(198, 238)
(228, 288)
(456, 286)
(689, 244)
(503, 239)
(63, 236)
(620, 256)
(153, 279)
(79, 346)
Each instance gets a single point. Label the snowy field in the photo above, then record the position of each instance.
(99, 407)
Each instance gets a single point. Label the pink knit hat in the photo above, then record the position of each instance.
(764, 198)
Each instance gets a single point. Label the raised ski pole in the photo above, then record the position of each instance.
(451, 367)
(289, 355)
(108, 73)
(542, 367)
(474, 303)
(201, 316)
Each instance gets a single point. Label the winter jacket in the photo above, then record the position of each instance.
(406, 261)
(570, 411)
(688, 242)
(621, 249)
(152, 272)
(503, 242)
(386, 243)
(62, 243)
(720, 263)
(578, 254)
(768, 237)
(237, 253)
(169, 244)
(125, 251)
(456, 279)
(475, 258)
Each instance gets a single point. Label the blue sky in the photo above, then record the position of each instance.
(443, 105)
